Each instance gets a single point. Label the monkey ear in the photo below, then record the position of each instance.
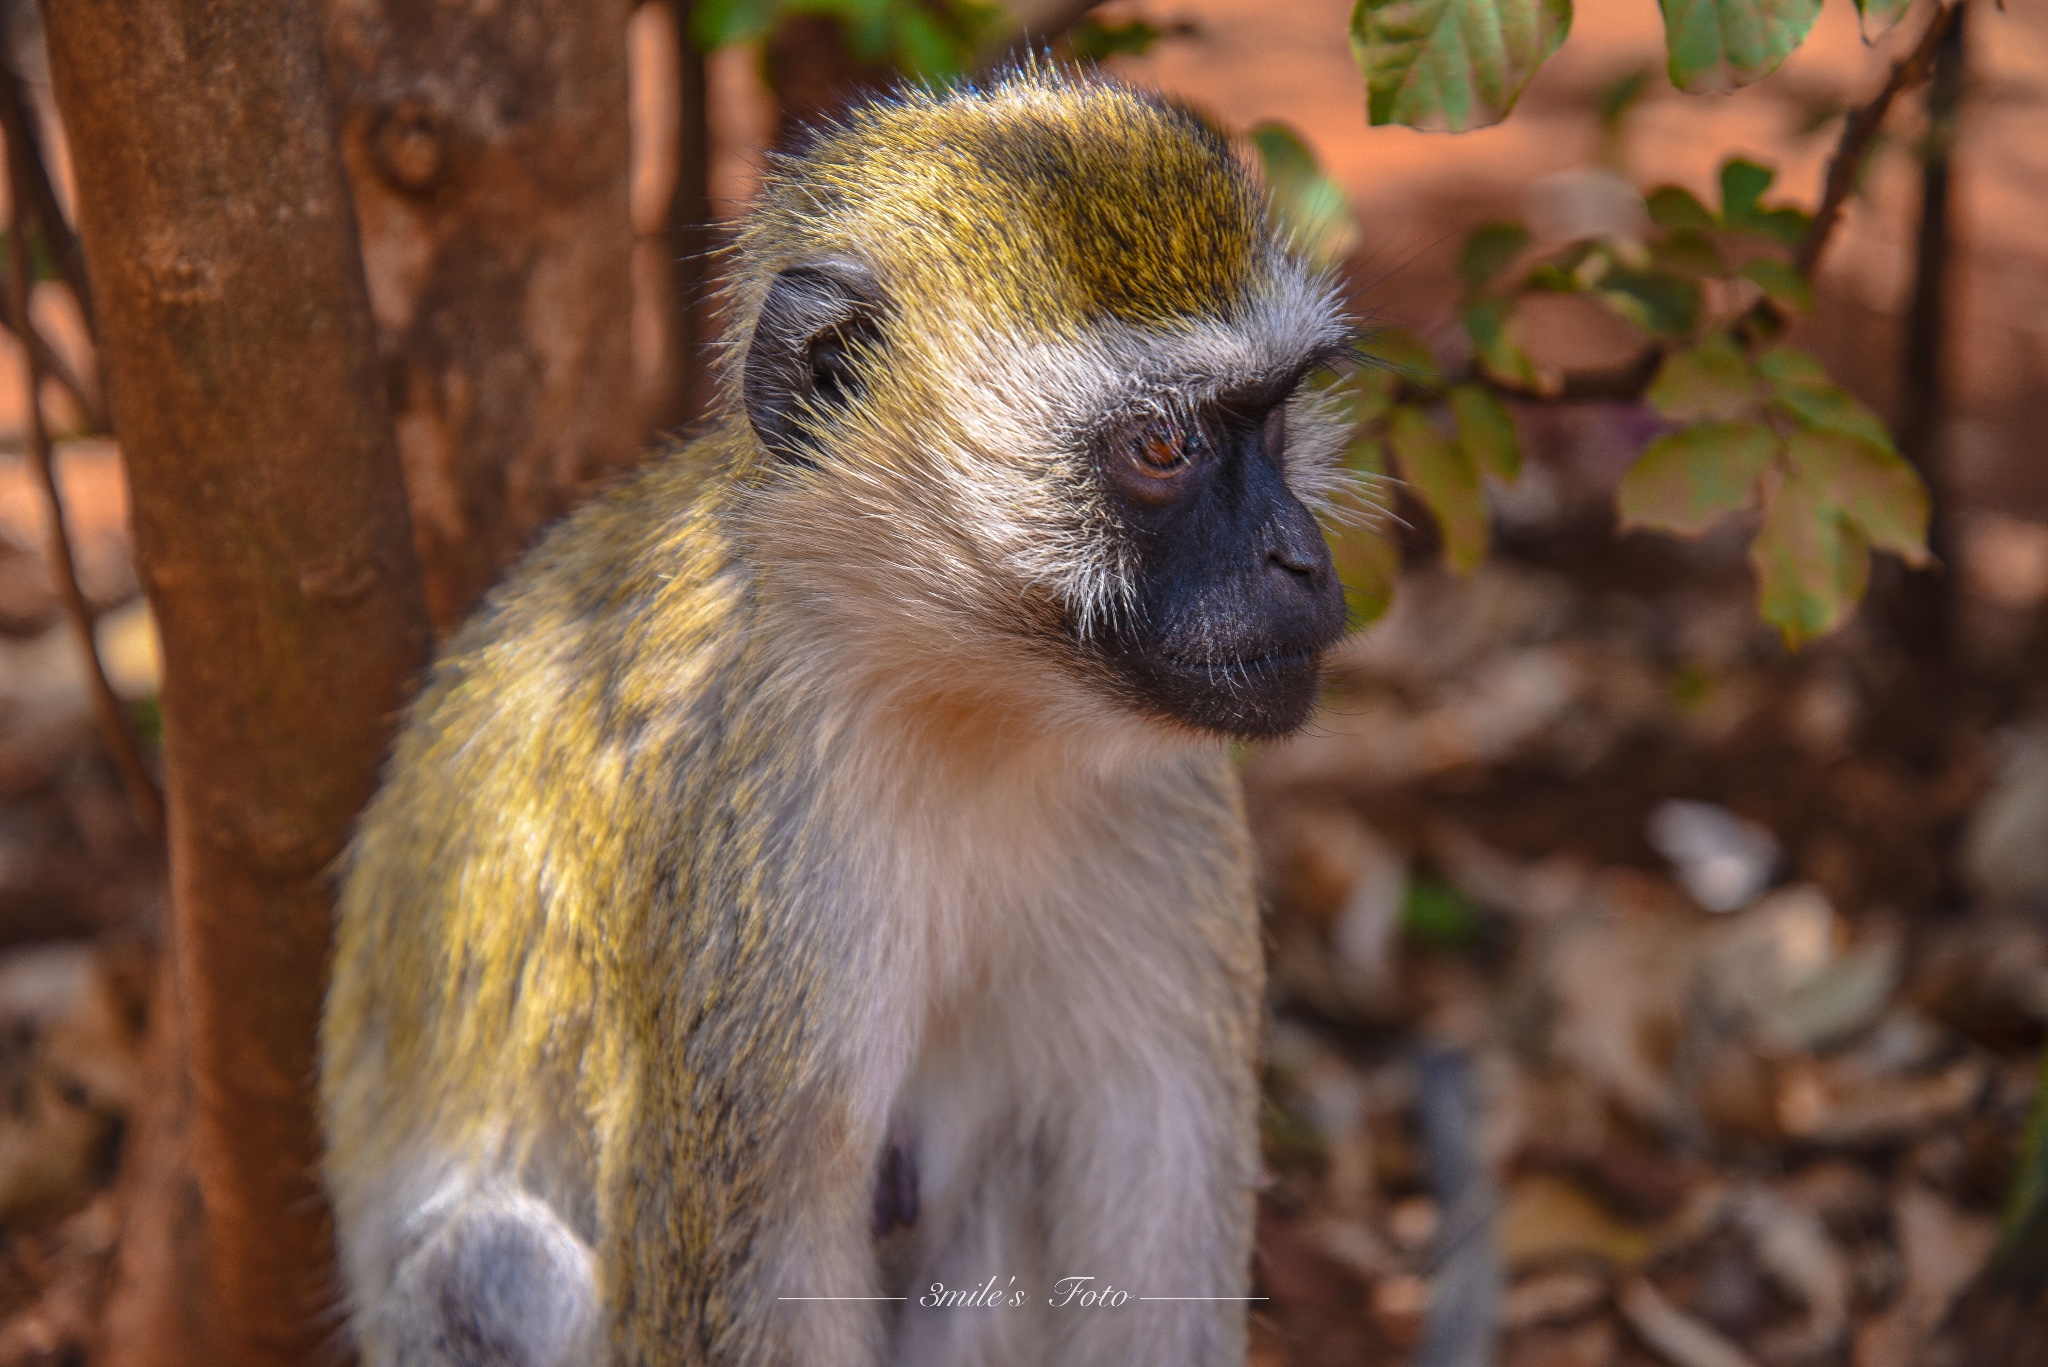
(802, 362)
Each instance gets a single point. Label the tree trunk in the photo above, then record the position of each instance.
(487, 144)
(272, 538)
(1924, 375)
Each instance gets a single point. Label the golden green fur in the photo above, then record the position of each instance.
(576, 764)
(1040, 207)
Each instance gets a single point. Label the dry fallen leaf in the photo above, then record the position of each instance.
(1592, 1344)
(1819, 1104)
(1557, 1297)
(1548, 1218)
(69, 1069)
(1793, 1249)
(1944, 1249)
(1672, 1334)
(1616, 983)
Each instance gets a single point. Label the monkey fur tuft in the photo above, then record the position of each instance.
(817, 871)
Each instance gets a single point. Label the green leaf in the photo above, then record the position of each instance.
(1824, 408)
(1685, 481)
(1623, 94)
(923, 49)
(1366, 394)
(2022, 1247)
(1094, 41)
(1784, 226)
(1875, 16)
(1742, 209)
(1402, 351)
(1489, 251)
(1452, 64)
(1873, 487)
(1673, 207)
(1811, 564)
(1367, 459)
(1782, 284)
(1310, 208)
(1790, 368)
(1722, 44)
(1662, 303)
(1498, 353)
(723, 23)
(1369, 567)
(1692, 252)
(1487, 432)
(1368, 562)
(1743, 183)
(1437, 916)
(1443, 477)
(868, 23)
(1710, 380)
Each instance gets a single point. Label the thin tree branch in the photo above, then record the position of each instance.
(143, 794)
(1861, 129)
(1846, 165)
(39, 194)
(57, 368)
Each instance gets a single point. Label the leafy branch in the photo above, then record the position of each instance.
(1753, 425)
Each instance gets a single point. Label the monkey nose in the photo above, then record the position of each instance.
(1295, 562)
(1298, 549)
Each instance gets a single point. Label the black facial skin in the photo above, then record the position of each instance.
(1237, 598)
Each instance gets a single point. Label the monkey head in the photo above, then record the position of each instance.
(1027, 368)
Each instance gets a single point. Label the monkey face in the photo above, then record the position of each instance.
(1235, 595)
(1024, 382)
(1143, 506)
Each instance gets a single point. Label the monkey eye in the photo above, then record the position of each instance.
(1163, 448)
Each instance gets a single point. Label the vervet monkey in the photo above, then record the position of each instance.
(808, 918)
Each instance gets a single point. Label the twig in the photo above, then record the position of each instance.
(1858, 133)
(18, 123)
(1677, 1337)
(39, 201)
(143, 794)
(57, 368)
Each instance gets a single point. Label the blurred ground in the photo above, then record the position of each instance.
(1637, 986)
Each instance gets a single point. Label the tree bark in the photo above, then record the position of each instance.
(272, 538)
(488, 147)
(1924, 374)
